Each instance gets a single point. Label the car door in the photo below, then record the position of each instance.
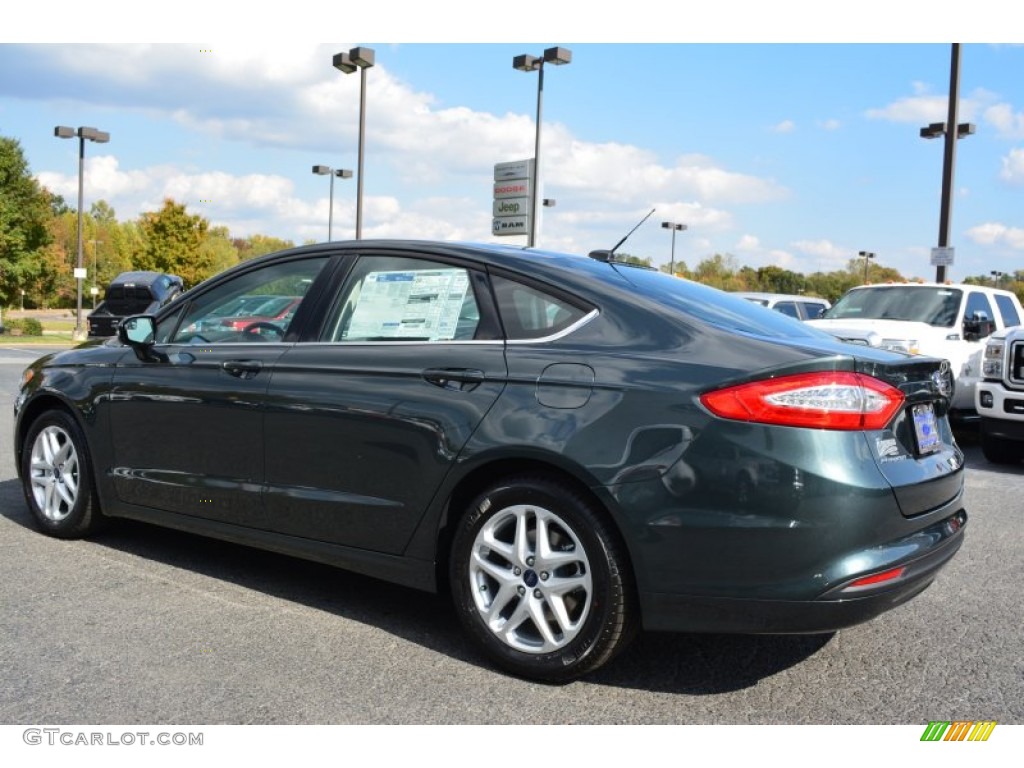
(364, 422)
(187, 422)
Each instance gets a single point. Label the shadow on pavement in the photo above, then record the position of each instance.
(671, 663)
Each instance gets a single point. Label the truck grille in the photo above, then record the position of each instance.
(1017, 363)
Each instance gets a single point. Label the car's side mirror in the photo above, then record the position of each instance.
(978, 328)
(139, 332)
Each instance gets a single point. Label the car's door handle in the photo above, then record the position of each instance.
(242, 369)
(460, 379)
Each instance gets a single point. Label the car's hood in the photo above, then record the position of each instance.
(874, 330)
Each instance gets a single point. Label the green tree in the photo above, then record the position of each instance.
(216, 253)
(778, 280)
(718, 271)
(259, 245)
(172, 240)
(25, 210)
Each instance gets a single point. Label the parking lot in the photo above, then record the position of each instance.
(145, 625)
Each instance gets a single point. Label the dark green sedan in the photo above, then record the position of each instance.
(574, 448)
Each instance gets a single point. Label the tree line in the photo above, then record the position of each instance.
(39, 249)
(39, 241)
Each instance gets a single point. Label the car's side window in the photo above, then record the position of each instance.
(787, 308)
(529, 313)
(1008, 311)
(813, 310)
(978, 307)
(257, 306)
(395, 298)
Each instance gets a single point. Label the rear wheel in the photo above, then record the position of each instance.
(999, 450)
(541, 581)
(57, 477)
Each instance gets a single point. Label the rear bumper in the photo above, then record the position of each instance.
(834, 609)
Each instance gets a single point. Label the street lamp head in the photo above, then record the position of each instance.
(673, 225)
(965, 129)
(344, 63)
(548, 202)
(321, 170)
(64, 132)
(525, 62)
(557, 56)
(362, 57)
(100, 137)
(358, 57)
(933, 131)
(343, 173)
(866, 255)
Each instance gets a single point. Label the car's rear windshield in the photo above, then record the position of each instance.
(721, 309)
(935, 305)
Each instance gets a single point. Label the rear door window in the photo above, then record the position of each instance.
(1007, 310)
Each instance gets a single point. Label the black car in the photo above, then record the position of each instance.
(574, 448)
(132, 293)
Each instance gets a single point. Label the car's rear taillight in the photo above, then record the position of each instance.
(824, 400)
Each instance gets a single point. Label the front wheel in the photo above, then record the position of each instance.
(57, 477)
(541, 581)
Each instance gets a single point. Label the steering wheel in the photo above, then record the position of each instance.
(255, 330)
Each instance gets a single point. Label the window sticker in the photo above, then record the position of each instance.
(409, 304)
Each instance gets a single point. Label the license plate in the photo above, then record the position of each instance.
(926, 429)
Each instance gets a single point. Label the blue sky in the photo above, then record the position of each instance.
(770, 146)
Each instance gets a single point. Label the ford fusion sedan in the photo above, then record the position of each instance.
(574, 449)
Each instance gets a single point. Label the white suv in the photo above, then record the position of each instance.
(1000, 397)
(935, 319)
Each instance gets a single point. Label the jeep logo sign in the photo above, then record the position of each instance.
(513, 206)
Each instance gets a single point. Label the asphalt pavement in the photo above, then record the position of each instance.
(144, 625)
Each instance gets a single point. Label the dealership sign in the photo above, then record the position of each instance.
(511, 209)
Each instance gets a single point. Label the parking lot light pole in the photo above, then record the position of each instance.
(341, 173)
(997, 277)
(528, 63)
(675, 228)
(933, 131)
(867, 256)
(100, 137)
(361, 58)
(95, 269)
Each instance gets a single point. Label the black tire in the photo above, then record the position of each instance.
(999, 450)
(579, 586)
(56, 474)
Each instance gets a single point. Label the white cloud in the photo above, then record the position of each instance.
(830, 125)
(1013, 167)
(1009, 124)
(926, 107)
(994, 233)
(748, 243)
(786, 126)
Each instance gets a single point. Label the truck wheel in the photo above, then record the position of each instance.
(999, 450)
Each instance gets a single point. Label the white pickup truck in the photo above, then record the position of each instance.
(934, 319)
(999, 397)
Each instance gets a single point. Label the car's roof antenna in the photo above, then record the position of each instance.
(610, 255)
